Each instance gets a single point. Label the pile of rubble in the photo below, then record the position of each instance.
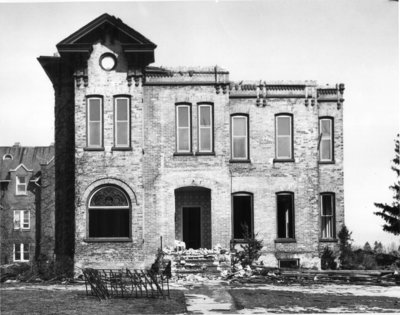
(197, 265)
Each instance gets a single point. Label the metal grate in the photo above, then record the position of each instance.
(125, 283)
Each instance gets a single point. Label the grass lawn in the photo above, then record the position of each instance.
(292, 302)
(33, 300)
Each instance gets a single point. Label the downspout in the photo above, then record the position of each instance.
(318, 170)
(143, 153)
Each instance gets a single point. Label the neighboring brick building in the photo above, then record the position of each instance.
(145, 152)
(21, 207)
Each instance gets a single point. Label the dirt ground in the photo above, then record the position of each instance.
(279, 301)
(212, 297)
(57, 299)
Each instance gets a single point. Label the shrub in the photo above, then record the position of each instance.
(328, 259)
(346, 256)
(250, 249)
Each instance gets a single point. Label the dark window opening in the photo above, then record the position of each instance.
(285, 215)
(242, 216)
(289, 263)
(109, 213)
(109, 223)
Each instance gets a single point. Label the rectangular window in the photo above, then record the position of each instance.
(289, 263)
(242, 215)
(121, 122)
(239, 135)
(21, 185)
(183, 129)
(205, 128)
(21, 252)
(285, 206)
(326, 140)
(327, 215)
(283, 137)
(21, 219)
(94, 122)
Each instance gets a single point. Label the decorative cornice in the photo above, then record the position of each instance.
(308, 90)
(184, 76)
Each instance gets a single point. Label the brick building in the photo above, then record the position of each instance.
(26, 195)
(143, 152)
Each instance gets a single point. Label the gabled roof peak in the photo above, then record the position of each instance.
(23, 166)
(139, 49)
(130, 36)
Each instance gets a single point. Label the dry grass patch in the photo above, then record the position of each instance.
(31, 300)
(293, 302)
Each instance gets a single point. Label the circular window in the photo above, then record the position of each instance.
(108, 61)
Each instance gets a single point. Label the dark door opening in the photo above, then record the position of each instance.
(191, 227)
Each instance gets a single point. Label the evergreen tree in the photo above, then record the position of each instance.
(378, 247)
(346, 253)
(391, 213)
(367, 247)
(328, 259)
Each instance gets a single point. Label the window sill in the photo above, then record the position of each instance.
(238, 241)
(328, 240)
(93, 149)
(239, 161)
(25, 194)
(326, 162)
(285, 240)
(121, 149)
(204, 153)
(283, 160)
(183, 154)
(108, 239)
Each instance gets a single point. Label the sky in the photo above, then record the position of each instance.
(331, 41)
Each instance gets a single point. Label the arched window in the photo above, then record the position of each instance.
(7, 157)
(285, 215)
(327, 201)
(326, 137)
(183, 128)
(240, 137)
(109, 213)
(283, 137)
(242, 215)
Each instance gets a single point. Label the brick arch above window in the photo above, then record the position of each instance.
(110, 181)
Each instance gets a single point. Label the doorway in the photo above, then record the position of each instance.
(191, 220)
(193, 216)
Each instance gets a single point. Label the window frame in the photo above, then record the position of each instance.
(211, 128)
(247, 145)
(286, 239)
(89, 208)
(115, 128)
(18, 183)
(331, 138)
(189, 127)
(7, 156)
(22, 219)
(291, 138)
(332, 216)
(238, 194)
(101, 134)
(21, 252)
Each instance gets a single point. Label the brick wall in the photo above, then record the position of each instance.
(150, 172)
(10, 202)
(108, 166)
(46, 220)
